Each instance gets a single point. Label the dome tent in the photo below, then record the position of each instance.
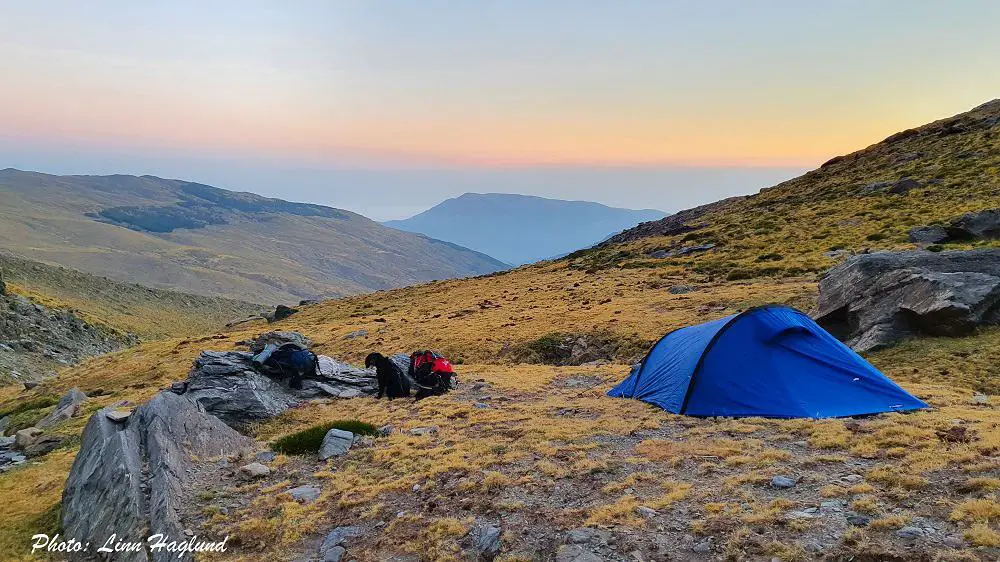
(770, 361)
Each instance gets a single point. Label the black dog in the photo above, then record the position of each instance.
(391, 380)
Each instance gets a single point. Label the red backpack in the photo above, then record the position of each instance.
(431, 371)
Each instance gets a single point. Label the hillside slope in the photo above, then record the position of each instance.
(521, 229)
(199, 239)
(559, 468)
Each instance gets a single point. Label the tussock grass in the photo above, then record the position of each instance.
(309, 440)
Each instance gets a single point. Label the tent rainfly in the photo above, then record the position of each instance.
(771, 361)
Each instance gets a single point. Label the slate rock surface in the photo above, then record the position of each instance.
(874, 300)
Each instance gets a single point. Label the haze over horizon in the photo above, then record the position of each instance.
(387, 109)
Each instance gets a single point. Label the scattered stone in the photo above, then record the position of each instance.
(859, 520)
(910, 533)
(587, 535)
(853, 478)
(4, 424)
(178, 387)
(266, 456)
(255, 470)
(385, 430)
(904, 186)
(831, 505)
(801, 514)
(703, 547)
(929, 235)
(681, 289)
(305, 494)
(576, 553)
(833, 254)
(118, 416)
(28, 385)
(484, 541)
(782, 482)
(418, 431)
(7, 442)
(954, 541)
(281, 312)
(646, 512)
(26, 437)
(336, 442)
(980, 399)
(362, 333)
(333, 545)
(69, 406)
(481, 406)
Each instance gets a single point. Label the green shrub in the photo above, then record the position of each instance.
(773, 256)
(935, 248)
(36, 404)
(876, 236)
(740, 274)
(309, 440)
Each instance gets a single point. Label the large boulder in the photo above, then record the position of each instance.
(226, 384)
(873, 300)
(129, 475)
(982, 225)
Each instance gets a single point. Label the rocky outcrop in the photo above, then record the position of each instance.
(983, 225)
(874, 300)
(68, 407)
(129, 475)
(678, 223)
(226, 384)
(36, 340)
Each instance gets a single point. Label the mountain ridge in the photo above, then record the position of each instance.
(195, 238)
(521, 229)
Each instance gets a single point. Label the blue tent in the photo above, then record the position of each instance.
(772, 361)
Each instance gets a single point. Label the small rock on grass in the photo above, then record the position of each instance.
(782, 482)
(266, 456)
(255, 470)
(853, 478)
(336, 442)
(646, 512)
(859, 520)
(484, 541)
(703, 547)
(332, 549)
(306, 494)
(910, 533)
(432, 430)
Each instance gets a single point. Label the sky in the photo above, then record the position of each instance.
(388, 107)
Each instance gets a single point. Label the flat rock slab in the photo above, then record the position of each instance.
(873, 300)
(336, 442)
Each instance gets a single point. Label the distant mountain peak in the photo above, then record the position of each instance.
(520, 229)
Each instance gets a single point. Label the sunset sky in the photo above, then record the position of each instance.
(655, 104)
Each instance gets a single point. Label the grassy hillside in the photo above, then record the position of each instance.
(195, 238)
(550, 453)
(125, 307)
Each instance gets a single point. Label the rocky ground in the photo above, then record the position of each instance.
(36, 340)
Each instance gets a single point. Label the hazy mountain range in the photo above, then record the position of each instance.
(520, 229)
(192, 237)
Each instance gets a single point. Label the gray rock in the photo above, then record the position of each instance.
(7, 442)
(982, 225)
(483, 541)
(853, 478)
(4, 424)
(339, 537)
(266, 456)
(576, 553)
(954, 541)
(178, 387)
(255, 470)
(681, 289)
(876, 187)
(225, 384)
(68, 406)
(831, 505)
(306, 494)
(929, 235)
(980, 399)
(858, 520)
(646, 512)
(782, 482)
(587, 535)
(385, 430)
(334, 554)
(278, 338)
(418, 431)
(281, 312)
(128, 477)
(43, 445)
(903, 186)
(801, 514)
(336, 442)
(910, 533)
(703, 547)
(481, 406)
(874, 300)
(28, 385)
(26, 437)
(117, 415)
(362, 333)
